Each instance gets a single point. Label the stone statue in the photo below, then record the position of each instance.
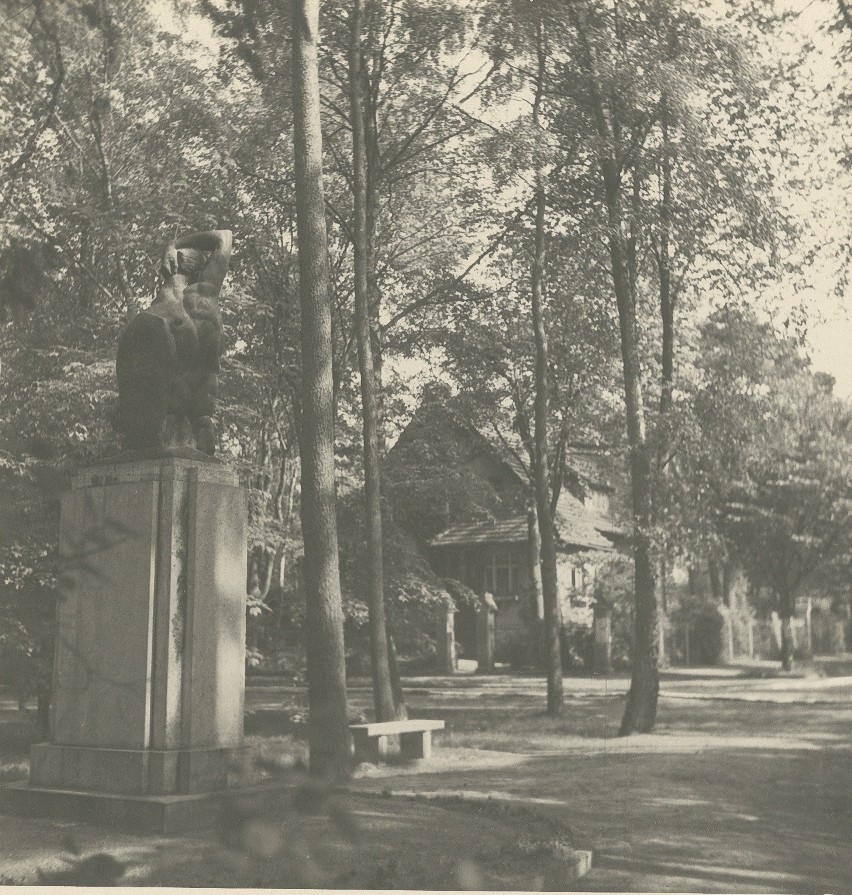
(168, 354)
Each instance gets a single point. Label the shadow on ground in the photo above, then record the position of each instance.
(722, 797)
(754, 821)
(307, 838)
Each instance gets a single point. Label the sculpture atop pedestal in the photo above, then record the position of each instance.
(168, 355)
(149, 666)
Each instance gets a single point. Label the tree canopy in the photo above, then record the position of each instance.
(606, 222)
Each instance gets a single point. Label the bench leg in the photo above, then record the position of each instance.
(371, 749)
(416, 745)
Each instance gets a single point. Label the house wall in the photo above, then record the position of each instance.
(504, 571)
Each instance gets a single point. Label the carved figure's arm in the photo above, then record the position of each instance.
(218, 242)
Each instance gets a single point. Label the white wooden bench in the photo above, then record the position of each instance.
(415, 738)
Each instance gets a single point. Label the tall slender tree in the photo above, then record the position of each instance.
(541, 471)
(383, 698)
(615, 139)
(328, 732)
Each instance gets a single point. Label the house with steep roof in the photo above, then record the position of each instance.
(495, 551)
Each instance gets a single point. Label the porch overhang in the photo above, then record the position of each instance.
(574, 534)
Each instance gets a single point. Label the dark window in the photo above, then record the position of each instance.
(500, 578)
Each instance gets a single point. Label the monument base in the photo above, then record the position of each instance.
(167, 814)
(132, 771)
(146, 726)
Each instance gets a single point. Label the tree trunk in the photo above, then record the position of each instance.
(662, 612)
(666, 294)
(328, 732)
(534, 542)
(541, 479)
(383, 701)
(667, 364)
(539, 648)
(372, 177)
(400, 711)
(641, 709)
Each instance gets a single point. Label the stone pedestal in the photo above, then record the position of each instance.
(485, 635)
(446, 640)
(149, 670)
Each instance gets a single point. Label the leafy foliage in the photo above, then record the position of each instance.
(764, 471)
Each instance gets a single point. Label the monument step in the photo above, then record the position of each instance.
(166, 815)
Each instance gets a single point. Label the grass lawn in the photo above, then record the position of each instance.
(724, 796)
